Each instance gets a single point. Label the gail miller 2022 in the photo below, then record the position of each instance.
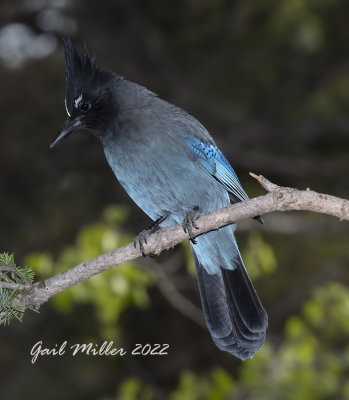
(93, 349)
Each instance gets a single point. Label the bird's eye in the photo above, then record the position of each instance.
(83, 106)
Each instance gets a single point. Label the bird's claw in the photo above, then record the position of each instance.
(189, 223)
(141, 240)
(142, 237)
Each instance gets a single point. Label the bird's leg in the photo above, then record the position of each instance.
(142, 237)
(189, 223)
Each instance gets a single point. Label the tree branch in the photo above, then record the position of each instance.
(278, 199)
(15, 286)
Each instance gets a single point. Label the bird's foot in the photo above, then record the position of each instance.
(189, 223)
(141, 238)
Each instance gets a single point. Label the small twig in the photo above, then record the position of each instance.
(14, 286)
(6, 268)
(10, 269)
(267, 185)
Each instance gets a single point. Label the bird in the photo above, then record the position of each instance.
(170, 166)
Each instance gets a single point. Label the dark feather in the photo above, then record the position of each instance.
(234, 314)
(80, 71)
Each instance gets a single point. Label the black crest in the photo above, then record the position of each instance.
(80, 71)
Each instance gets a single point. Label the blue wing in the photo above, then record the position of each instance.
(213, 161)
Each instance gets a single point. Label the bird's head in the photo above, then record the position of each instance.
(88, 98)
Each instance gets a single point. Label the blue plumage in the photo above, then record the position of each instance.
(214, 162)
(169, 164)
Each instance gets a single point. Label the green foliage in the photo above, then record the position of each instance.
(218, 385)
(132, 389)
(189, 259)
(330, 303)
(311, 363)
(313, 360)
(259, 256)
(12, 274)
(109, 292)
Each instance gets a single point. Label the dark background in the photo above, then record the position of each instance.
(270, 80)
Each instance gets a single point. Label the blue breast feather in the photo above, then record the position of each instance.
(214, 162)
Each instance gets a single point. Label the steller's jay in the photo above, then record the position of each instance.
(170, 166)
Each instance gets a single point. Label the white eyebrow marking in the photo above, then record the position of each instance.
(66, 107)
(77, 101)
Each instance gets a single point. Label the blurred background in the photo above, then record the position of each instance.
(270, 80)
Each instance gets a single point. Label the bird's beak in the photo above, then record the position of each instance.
(66, 130)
